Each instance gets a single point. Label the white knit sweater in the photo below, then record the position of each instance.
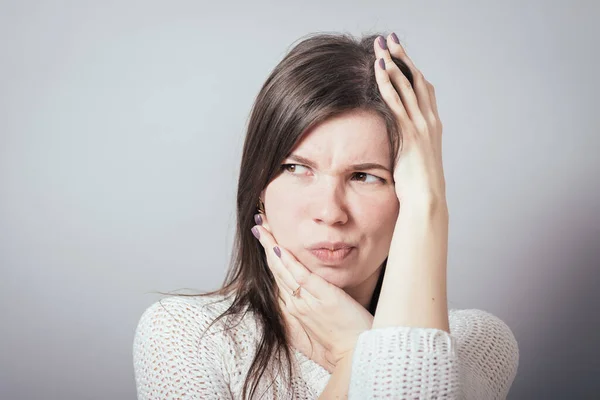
(478, 360)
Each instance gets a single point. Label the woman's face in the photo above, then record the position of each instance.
(325, 195)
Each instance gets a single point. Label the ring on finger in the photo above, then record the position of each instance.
(296, 293)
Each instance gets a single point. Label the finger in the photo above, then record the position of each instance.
(433, 101)
(396, 81)
(314, 288)
(284, 290)
(306, 306)
(266, 239)
(261, 219)
(272, 262)
(419, 83)
(299, 272)
(391, 96)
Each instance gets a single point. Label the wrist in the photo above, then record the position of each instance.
(425, 206)
(346, 359)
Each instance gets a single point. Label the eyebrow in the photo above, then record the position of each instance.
(360, 167)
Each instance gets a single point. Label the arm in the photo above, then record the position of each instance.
(413, 292)
(339, 381)
(478, 361)
(415, 274)
(410, 352)
(171, 361)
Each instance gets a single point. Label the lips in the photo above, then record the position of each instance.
(332, 257)
(330, 245)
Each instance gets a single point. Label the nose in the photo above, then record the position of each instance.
(329, 203)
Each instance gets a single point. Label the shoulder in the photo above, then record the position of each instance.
(196, 309)
(486, 347)
(181, 315)
(178, 350)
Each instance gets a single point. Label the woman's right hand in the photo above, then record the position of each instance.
(329, 315)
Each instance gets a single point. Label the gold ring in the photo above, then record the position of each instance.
(295, 292)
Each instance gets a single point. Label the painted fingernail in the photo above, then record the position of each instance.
(382, 42)
(382, 63)
(258, 219)
(255, 232)
(395, 38)
(277, 251)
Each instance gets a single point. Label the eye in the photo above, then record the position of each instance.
(362, 177)
(293, 168)
(300, 170)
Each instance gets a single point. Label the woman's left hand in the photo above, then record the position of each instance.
(331, 316)
(418, 171)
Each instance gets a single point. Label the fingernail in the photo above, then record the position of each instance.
(382, 42)
(382, 63)
(395, 38)
(258, 219)
(277, 251)
(255, 232)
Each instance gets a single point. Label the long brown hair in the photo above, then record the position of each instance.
(322, 76)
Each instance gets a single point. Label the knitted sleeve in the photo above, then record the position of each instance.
(477, 360)
(171, 361)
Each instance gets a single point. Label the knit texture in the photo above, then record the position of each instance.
(478, 360)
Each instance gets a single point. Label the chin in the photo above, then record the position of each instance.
(336, 275)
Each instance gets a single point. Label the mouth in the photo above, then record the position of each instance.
(332, 257)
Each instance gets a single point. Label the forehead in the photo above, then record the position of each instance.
(356, 136)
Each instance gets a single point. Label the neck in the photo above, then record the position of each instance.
(363, 292)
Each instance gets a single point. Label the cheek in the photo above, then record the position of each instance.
(379, 219)
(284, 211)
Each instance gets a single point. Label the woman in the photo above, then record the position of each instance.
(338, 278)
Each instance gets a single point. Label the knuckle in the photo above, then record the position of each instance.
(421, 124)
(418, 76)
(301, 309)
(389, 94)
(408, 132)
(432, 119)
(290, 308)
(302, 278)
(396, 99)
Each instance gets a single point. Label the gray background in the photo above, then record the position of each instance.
(121, 126)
